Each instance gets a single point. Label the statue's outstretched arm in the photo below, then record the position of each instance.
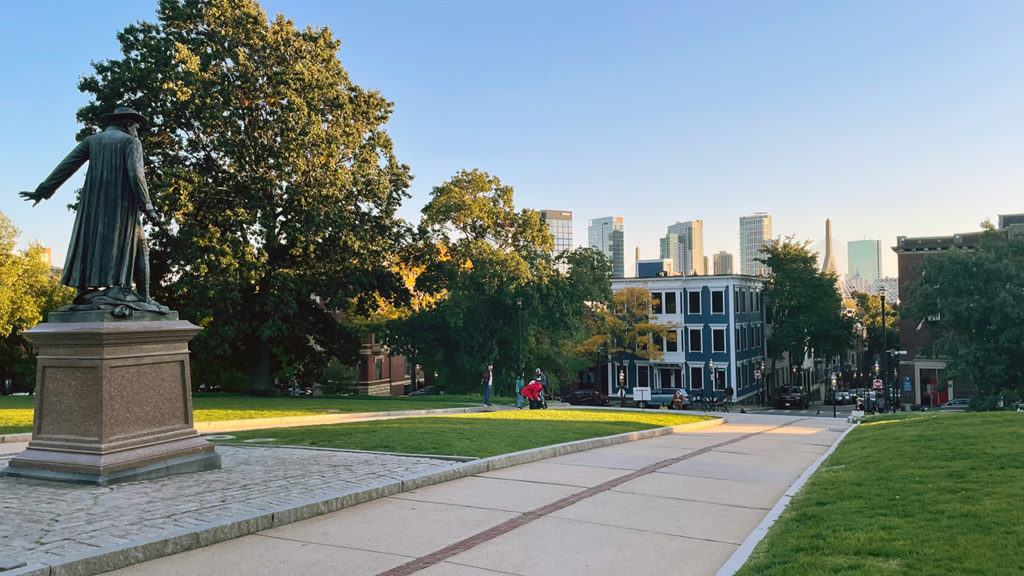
(63, 171)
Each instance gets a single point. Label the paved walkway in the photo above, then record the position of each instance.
(47, 522)
(677, 504)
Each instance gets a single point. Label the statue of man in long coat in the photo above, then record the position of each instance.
(108, 254)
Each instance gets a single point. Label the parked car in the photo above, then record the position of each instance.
(792, 397)
(585, 397)
(666, 397)
(426, 391)
(956, 405)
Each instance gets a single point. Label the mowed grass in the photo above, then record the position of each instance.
(478, 435)
(16, 414)
(16, 411)
(939, 494)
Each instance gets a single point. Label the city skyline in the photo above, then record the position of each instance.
(746, 121)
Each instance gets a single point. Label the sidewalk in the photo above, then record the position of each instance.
(676, 504)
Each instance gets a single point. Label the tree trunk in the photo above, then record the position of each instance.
(259, 374)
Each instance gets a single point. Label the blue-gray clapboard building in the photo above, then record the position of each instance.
(716, 335)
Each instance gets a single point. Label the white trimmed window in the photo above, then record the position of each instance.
(718, 302)
(695, 339)
(693, 302)
(696, 377)
(718, 339)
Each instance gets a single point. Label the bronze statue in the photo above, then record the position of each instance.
(108, 254)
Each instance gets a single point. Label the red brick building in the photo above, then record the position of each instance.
(382, 373)
(922, 377)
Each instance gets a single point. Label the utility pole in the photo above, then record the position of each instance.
(885, 354)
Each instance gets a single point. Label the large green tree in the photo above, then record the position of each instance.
(277, 177)
(479, 263)
(28, 291)
(805, 304)
(972, 302)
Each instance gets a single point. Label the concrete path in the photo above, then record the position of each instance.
(676, 504)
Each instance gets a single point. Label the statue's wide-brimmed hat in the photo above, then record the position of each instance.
(122, 113)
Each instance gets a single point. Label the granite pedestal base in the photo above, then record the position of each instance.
(113, 404)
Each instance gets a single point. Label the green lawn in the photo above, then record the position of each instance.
(16, 411)
(16, 414)
(480, 435)
(939, 494)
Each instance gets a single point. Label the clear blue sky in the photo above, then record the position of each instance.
(892, 118)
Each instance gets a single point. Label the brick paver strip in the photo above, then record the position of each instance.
(424, 562)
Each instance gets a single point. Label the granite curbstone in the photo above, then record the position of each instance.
(28, 570)
(13, 438)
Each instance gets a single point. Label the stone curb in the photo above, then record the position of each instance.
(12, 438)
(173, 542)
(742, 554)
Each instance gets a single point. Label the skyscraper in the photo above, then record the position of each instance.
(689, 259)
(723, 262)
(560, 224)
(605, 234)
(670, 249)
(865, 259)
(755, 231)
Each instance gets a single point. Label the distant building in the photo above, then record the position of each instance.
(1007, 221)
(689, 257)
(922, 378)
(755, 232)
(654, 268)
(606, 234)
(723, 262)
(715, 338)
(865, 259)
(46, 256)
(560, 224)
(669, 248)
(707, 266)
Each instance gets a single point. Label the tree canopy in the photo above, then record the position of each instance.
(28, 291)
(805, 304)
(483, 263)
(276, 173)
(972, 301)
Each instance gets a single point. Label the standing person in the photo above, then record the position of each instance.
(519, 392)
(487, 380)
(541, 377)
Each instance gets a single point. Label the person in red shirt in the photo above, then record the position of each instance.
(532, 392)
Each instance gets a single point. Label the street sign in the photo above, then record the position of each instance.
(908, 384)
(876, 384)
(757, 374)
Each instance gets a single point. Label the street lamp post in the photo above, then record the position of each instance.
(519, 345)
(885, 354)
(834, 395)
(711, 369)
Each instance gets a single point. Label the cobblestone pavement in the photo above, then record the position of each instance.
(45, 521)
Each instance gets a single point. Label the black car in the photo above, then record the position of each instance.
(792, 397)
(585, 397)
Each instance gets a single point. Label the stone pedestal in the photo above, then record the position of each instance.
(113, 403)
